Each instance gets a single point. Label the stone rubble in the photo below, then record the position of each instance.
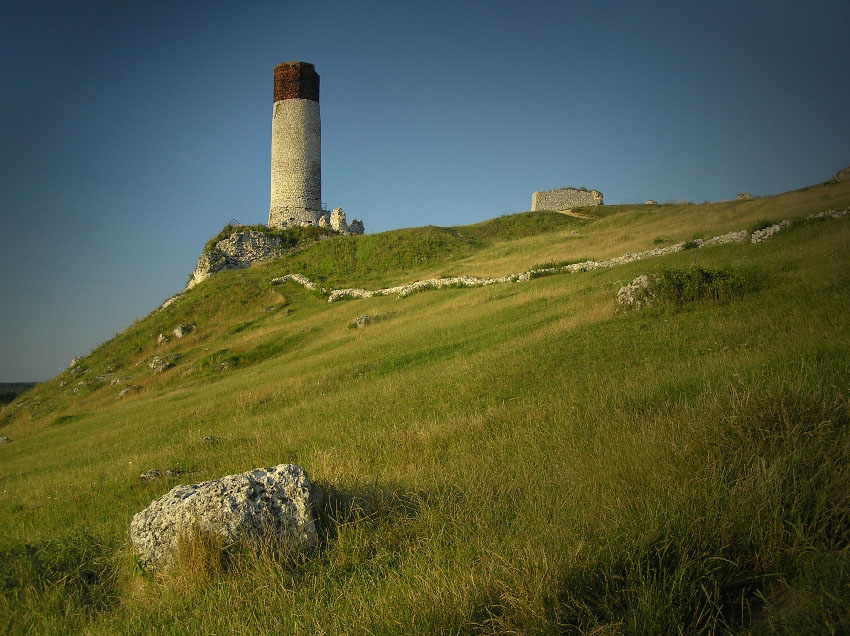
(78, 369)
(830, 214)
(362, 321)
(154, 474)
(182, 330)
(265, 502)
(168, 302)
(297, 278)
(4, 440)
(760, 235)
(403, 291)
(841, 175)
(634, 294)
(161, 339)
(158, 364)
(126, 391)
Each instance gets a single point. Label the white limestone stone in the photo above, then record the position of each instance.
(265, 502)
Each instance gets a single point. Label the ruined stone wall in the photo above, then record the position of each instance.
(564, 198)
(296, 165)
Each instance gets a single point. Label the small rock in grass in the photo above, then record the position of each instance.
(182, 330)
(635, 293)
(362, 321)
(158, 364)
(124, 392)
(154, 474)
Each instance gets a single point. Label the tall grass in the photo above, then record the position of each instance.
(511, 459)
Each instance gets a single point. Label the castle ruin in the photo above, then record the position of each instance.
(564, 199)
(296, 174)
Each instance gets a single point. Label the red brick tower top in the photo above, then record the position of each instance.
(296, 80)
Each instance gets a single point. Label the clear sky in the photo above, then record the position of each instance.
(132, 132)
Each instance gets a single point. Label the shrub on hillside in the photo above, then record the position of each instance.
(676, 286)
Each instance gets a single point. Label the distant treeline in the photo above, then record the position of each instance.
(10, 390)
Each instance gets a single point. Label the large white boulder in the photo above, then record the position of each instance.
(264, 502)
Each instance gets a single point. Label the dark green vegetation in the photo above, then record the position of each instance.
(519, 458)
(10, 390)
(677, 286)
(290, 237)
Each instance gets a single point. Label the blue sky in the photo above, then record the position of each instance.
(132, 132)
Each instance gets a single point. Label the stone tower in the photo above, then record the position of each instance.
(296, 179)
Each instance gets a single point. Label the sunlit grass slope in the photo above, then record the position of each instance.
(520, 458)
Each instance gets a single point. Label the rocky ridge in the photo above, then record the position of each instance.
(402, 291)
(245, 247)
(237, 251)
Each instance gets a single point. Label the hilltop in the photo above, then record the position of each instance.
(520, 457)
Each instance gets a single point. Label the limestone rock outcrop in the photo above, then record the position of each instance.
(244, 247)
(841, 175)
(276, 502)
(158, 364)
(636, 293)
(182, 330)
(337, 221)
(744, 196)
(239, 250)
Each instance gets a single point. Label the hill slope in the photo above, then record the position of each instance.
(517, 458)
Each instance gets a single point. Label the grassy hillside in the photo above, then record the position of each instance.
(520, 458)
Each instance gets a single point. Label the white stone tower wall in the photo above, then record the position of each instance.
(565, 198)
(296, 166)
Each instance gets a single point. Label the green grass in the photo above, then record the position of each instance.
(519, 458)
